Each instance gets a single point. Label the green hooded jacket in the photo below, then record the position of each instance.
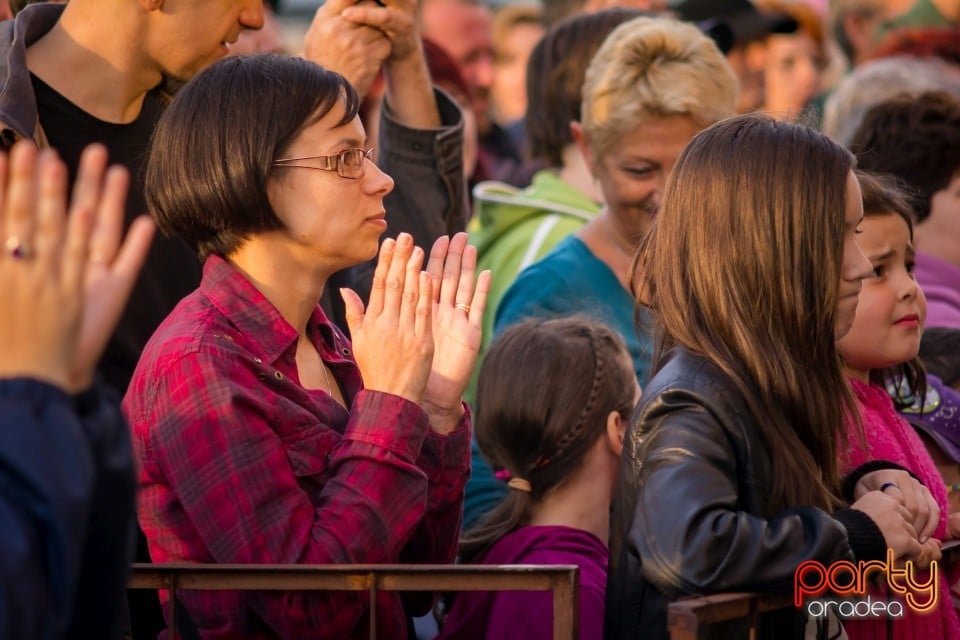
(513, 228)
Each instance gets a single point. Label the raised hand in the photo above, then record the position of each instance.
(397, 19)
(459, 301)
(111, 268)
(393, 337)
(65, 279)
(351, 48)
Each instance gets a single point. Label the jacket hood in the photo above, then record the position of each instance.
(498, 206)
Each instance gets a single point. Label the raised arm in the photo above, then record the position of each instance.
(66, 465)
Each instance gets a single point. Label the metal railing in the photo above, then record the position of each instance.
(685, 617)
(561, 580)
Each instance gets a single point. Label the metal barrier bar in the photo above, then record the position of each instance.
(687, 615)
(561, 580)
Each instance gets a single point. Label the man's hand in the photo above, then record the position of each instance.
(351, 48)
(397, 19)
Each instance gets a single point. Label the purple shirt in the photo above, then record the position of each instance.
(239, 463)
(940, 281)
(528, 615)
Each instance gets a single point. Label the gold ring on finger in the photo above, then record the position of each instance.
(18, 249)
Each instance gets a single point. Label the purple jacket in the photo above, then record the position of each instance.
(528, 615)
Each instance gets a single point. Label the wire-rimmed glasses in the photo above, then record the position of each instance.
(349, 163)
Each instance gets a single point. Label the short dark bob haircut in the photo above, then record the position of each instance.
(214, 147)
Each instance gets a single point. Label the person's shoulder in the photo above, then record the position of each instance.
(542, 284)
(566, 258)
(560, 545)
(551, 286)
(192, 328)
(685, 377)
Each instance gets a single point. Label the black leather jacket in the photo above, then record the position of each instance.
(691, 512)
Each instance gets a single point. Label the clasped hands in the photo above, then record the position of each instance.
(356, 38)
(904, 510)
(419, 335)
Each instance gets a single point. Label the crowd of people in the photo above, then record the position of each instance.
(667, 291)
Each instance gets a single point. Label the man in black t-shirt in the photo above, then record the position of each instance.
(172, 269)
(94, 73)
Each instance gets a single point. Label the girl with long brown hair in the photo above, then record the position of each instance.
(729, 476)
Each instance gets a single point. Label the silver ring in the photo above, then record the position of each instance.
(463, 307)
(18, 249)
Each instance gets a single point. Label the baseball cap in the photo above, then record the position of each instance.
(746, 22)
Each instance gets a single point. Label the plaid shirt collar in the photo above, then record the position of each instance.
(229, 291)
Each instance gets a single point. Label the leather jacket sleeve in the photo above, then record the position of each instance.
(693, 523)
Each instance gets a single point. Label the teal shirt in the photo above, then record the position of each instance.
(569, 280)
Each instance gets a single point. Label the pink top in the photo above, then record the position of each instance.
(889, 437)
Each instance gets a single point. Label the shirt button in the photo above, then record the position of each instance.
(345, 351)
(262, 375)
(257, 360)
(278, 375)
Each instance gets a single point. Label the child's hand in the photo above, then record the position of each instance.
(953, 526)
(894, 522)
(916, 498)
(929, 552)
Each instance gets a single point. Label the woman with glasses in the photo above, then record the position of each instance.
(263, 434)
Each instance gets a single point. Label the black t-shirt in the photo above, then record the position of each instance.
(172, 269)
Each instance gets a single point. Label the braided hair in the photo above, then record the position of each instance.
(536, 418)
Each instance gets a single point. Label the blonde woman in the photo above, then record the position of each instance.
(653, 85)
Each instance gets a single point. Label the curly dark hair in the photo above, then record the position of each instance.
(916, 139)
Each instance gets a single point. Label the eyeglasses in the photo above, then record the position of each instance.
(349, 163)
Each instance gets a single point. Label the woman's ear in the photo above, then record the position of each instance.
(616, 428)
(579, 139)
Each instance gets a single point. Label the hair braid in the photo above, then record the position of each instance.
(598, 372)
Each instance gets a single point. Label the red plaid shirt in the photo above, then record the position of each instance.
(240, 464)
